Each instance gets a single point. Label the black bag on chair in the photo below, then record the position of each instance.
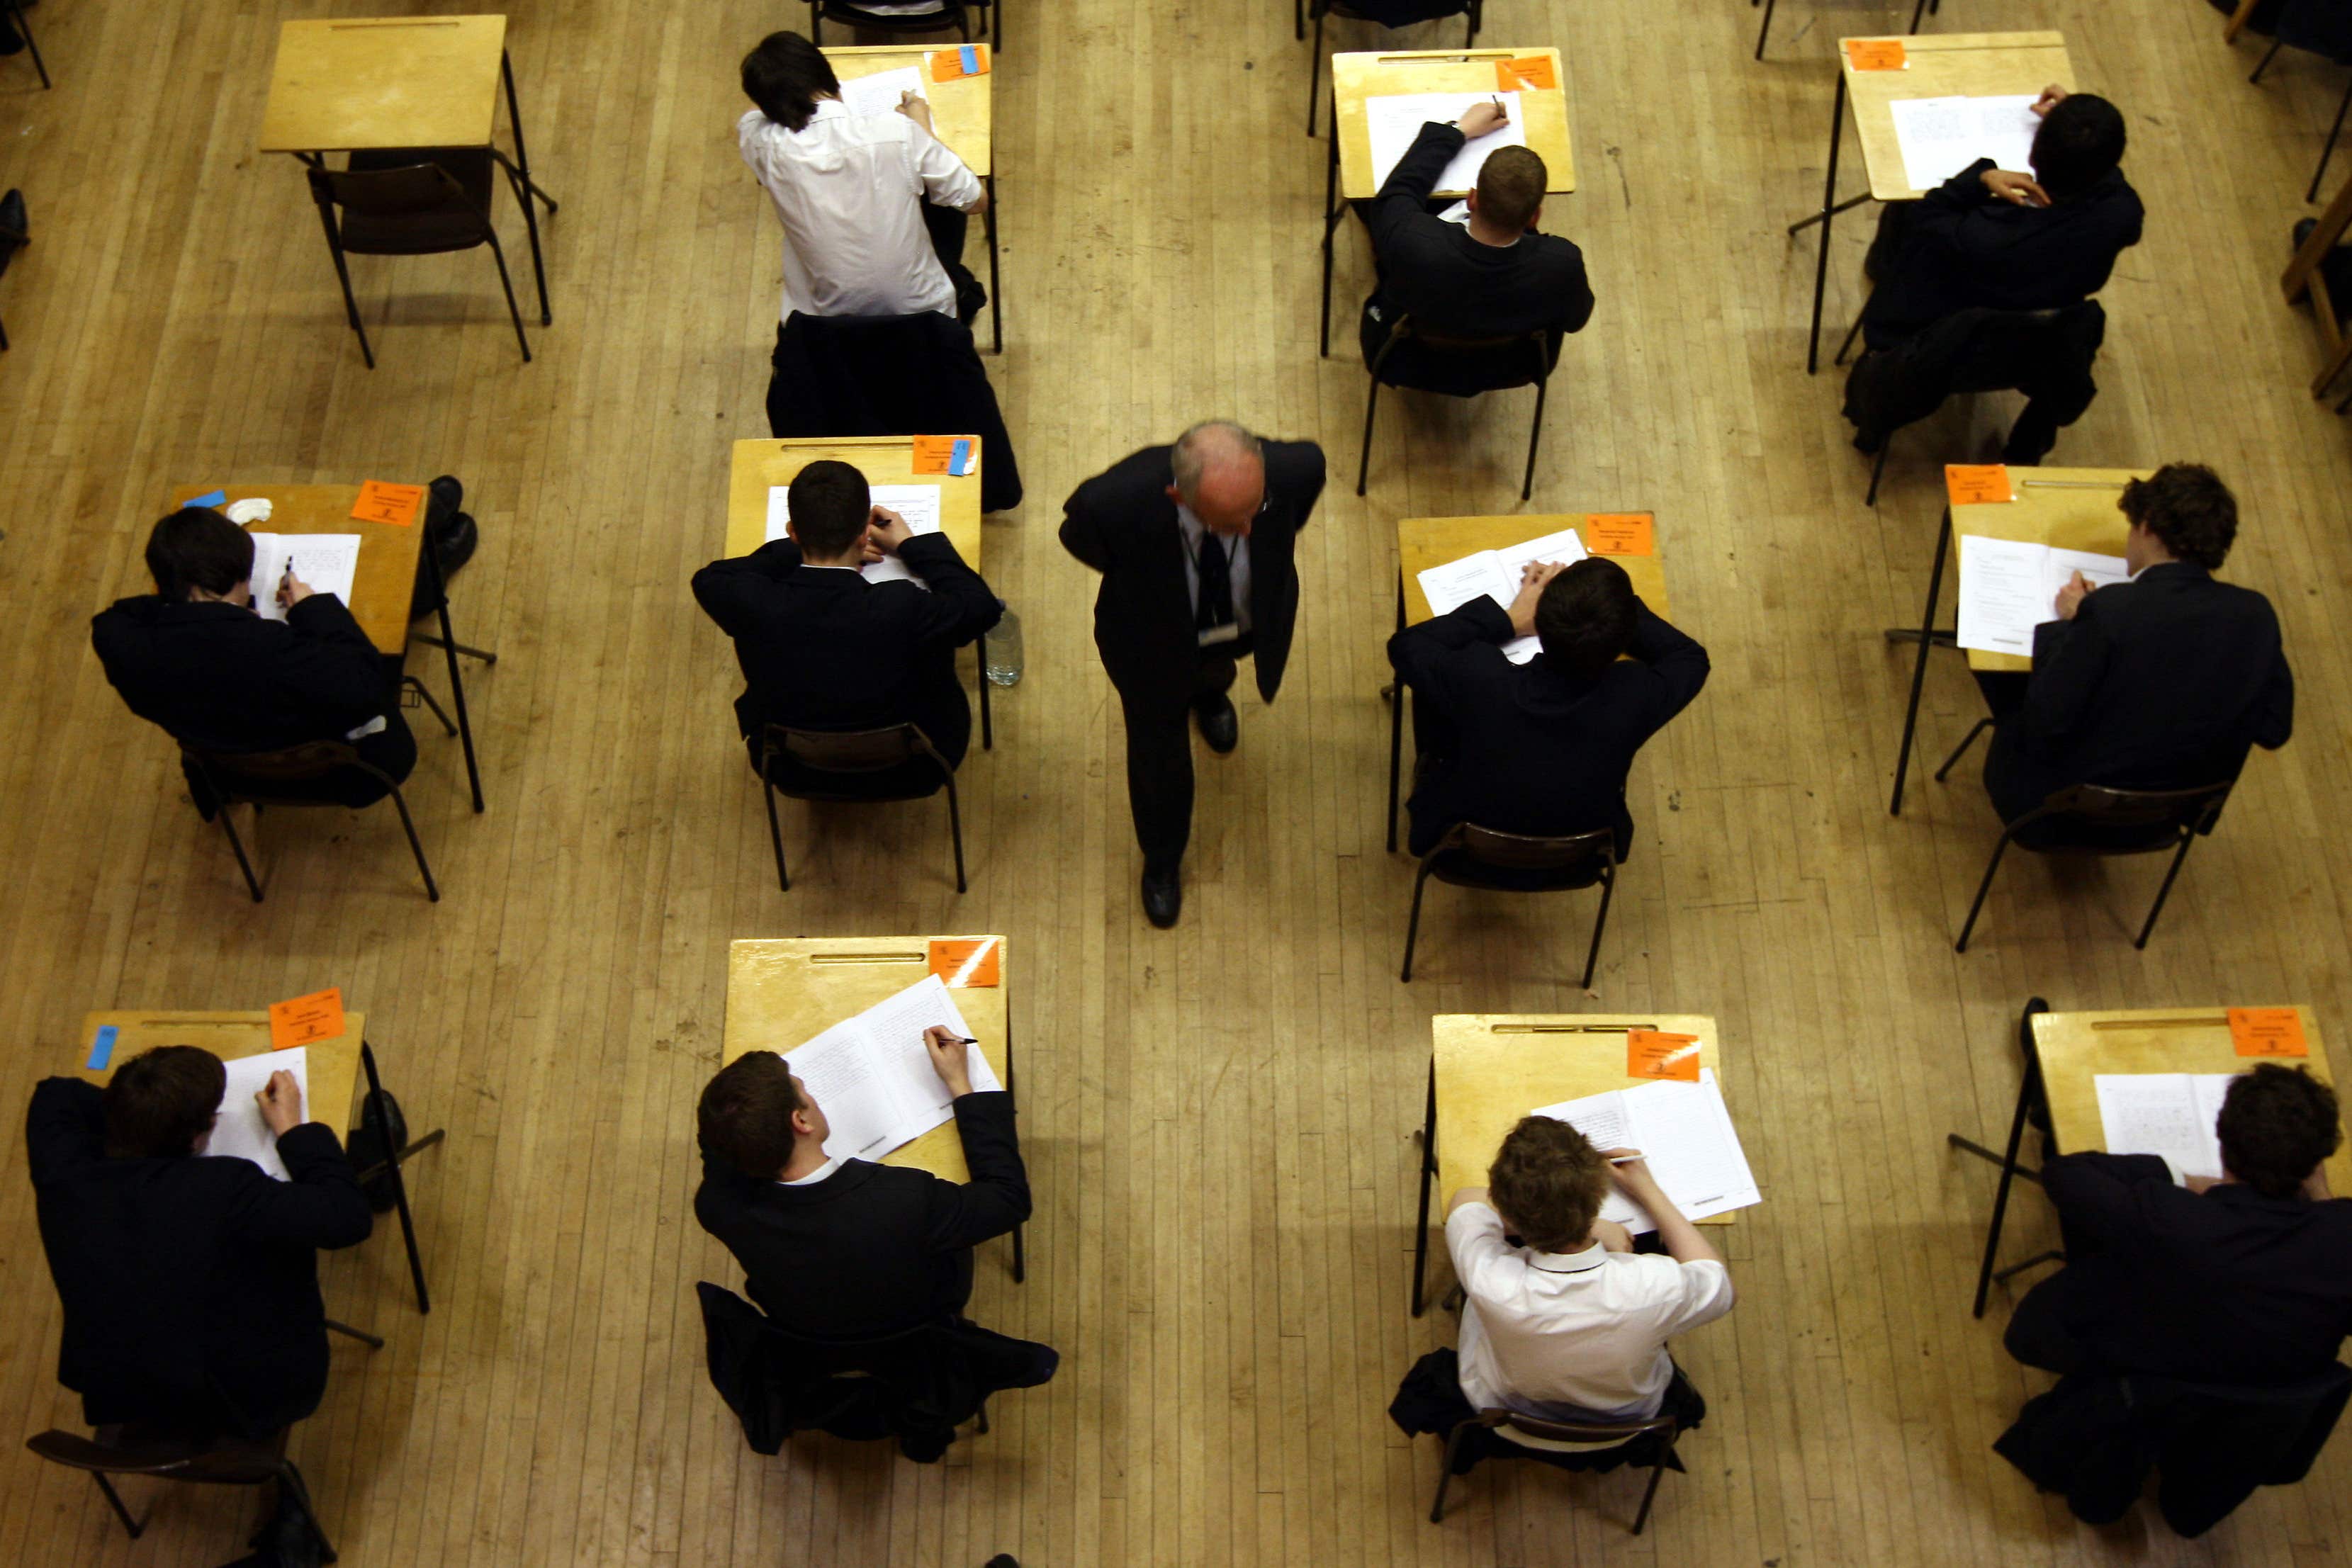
(371, 1144)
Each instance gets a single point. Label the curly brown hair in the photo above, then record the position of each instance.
(746, 1114)
(2276, 1125)
(1548, 1182)
(2187, 506)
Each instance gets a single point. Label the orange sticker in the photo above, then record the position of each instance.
(944, 454)
(304, 1020)
(393, 504)
(1978, 483)
(2267, 1031)
(966, 964)
(1618, 533)
(1649, 1054)
(1532, 74)
(1875, 54)
(954, 65)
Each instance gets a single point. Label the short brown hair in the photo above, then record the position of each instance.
(1548, 1182)
(2186, 505)
(2276, 1125)
(160, 1101)
(1511, 186)
(746, 1114)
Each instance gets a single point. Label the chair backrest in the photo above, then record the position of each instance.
(215, 1460)
(2322, 27)
(291, 765)
(2171, 811)
(1993, 350)
(1613, 1433)
(418, 206)
(1541, 342)
(1575, 853)
(848, 751)
(16, 228)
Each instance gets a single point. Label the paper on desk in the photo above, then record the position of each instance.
(919, 504)
(239, 1130)
(879, 93)
(1686, 1137)
(1459, 213)
(1942, 136)
(1395, 119)
(2168, 1113)
(2007, 588)
(328, 562)
(1494, 574)
(874, 1080)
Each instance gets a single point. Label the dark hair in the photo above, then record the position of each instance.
(786, 76)
(746, 1114)
(831, 507)
(1548, 1182)
(2276, 1125)
(2080, 143)
(1511, 186)
(2187, 506)
(160, 1101)
(1584, 617)
(196, 547)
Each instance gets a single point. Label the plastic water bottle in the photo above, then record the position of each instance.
(1002, 648)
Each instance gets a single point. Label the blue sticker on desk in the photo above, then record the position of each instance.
(959, 457)
(101, 1049)
(971, 60)
(213, 498)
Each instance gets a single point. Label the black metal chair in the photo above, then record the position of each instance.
(949, 14)
(15, 12)
(1405, 15)
(15, 233)
(893, 763)
(260, 779)
(2096, 819)
(1472, 856)
(1665, 1427)
(2032, 1106)
(1919, 8)
(2325, 28)
(418, 202)
(205, 1461)
(1541, 352)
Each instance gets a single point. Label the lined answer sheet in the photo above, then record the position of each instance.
(239, 1131)
(873, 1079)
(1494, 574)
(2168, 1113)
(328, 562)
(1942, 136)
(1685, 1135)
(2007, 588)
(919, 504)
(879, 93)
(1394, 121)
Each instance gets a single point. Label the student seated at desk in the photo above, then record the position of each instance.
(2161, 683)
(195, 659)
(1563, 1319)
(1493, 276)
(820, 647)
(1543, 748)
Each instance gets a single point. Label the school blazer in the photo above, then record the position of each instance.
(218, 677)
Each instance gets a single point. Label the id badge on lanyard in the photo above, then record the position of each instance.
(1213, 635)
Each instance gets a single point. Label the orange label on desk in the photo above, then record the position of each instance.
(954, 65)
(1617, 533)
(1532, 74)
(1875, 54)
(306, 1021)
(2267, 1031)
(966, 964)
(1978, 483)
(1649, 1054)
(944, 454)
(393, 504)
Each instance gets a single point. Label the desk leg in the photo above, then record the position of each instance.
(1428, 1173)
(1331, 213)
(1020, 1253)
(2026, 1092)
(995, 290)
(1396, 722)
(1919, 669)
(1830, 210)
(530, 187)
(394, 1158)
(987, 724)
(457, 682)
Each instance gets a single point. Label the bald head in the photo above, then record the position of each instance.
(1220, 476)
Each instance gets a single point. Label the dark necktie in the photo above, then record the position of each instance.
(1215, 604)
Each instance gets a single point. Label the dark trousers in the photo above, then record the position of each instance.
(948, 229)
(1160, 757)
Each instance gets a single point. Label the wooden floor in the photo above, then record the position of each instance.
(1216, 1118)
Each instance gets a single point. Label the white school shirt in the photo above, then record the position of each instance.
(849, 189)
(815, 1176)
(1571, 1335)
(1197, 537)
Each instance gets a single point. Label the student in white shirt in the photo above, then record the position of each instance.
(874, 205)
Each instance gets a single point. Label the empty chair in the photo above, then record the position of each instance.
(1655, 1439)
(2324, 28)
(937, 17)
(1388, 14)
(15, 233)
(206, 1462)
(297, 776)
(895, 763)
(1919, 8)
(1472, 856)
(12, 14)
(1484, 364)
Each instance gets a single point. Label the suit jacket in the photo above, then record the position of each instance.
(1122, 524)
(2226, 1286)
(1531, 749)
(2161, 683)
(221, 678)
(1961, 246)
(190, 1285)
(824, 649)
(871, 1248)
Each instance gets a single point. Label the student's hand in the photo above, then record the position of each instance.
(917, 108)
(281, 1100)
(1613, 1236)
(2017, 190)
(2071, 597)
(1481, 118)
(888, 529)
(947, 1048)
(1629, 1171)
(2052, 97)
(291, 590)
(1532, 578)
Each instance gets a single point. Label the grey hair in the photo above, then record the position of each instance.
(1204, 440)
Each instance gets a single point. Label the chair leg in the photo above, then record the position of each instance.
(33, 49)
(955, 825)
(1364, 462)
(448, 726)
(498, 254)
(1315, 73)
(1658, 1470)
(1445, 1470)
(1412, 922)
(1878, 468)
(1298, 20)
(980, 1421)
(1600, 924)
(290, 1487)
(1998, 849)
(253, 884)
(344, 272)
(1535, 434)
(2328, 151)
(1851, 334)
(373, 1342)
(1765, 31)
(114, 1500)
(1918, 9)
(416, 849)
(2165, 892)
(398, 1177)
(1961, 750)
(775, 834)
(2276, 45)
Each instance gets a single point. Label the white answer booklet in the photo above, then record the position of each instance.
(879, 93)
(1685, 1139)
(873, 1079)
(1942, 136)
(919, 504)
(1394, 121)
(2007, 589)
(239, 1131)
(1494, 574)
(2168, 1113)
(328, 562)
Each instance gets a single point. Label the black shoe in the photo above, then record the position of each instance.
(1220, 726)
(1164, 897)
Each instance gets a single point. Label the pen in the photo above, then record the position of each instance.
(1621, 1159)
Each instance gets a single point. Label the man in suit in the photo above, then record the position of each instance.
(190, 1285)
(195, 658)
(1541, 747)
(2161, 682)
(822, 648)
(1494, 276)
(2246, 1279)
(1194, 545)
(840, 1248)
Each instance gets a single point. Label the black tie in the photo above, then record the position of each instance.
(1215, 605)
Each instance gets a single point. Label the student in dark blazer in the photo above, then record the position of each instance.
(2247, 1280)
(820, 647)
(1542, 747)
(2161, 683)
(1194, 545)
(1493, 276)
(195, 659)
(190, 1285)
(843, 1248)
